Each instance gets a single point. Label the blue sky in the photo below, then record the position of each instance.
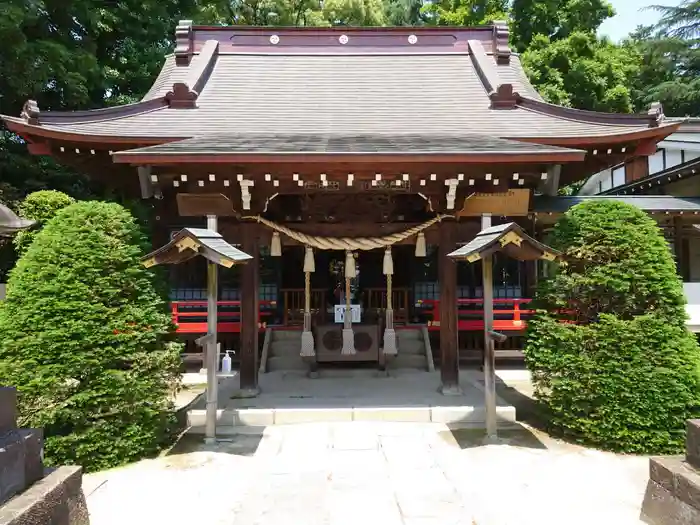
(629, 16)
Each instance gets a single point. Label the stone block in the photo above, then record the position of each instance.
(393, 414)
(33, 454)
(286, 416)
(254, 417)
(57, 499)
(673, 492)
(12, 460)
(692, 442)
(661, 507)
(8, 409)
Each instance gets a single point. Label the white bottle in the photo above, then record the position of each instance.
(226, 363)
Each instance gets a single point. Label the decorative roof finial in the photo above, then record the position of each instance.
(656, 114)
(30, 112)
(183, 43)
(501, 50)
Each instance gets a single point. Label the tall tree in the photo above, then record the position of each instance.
(680, 21)
(669, 72)
(465, 12)
(583, 72)
(556, 19)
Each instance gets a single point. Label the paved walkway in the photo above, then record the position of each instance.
(366, 473)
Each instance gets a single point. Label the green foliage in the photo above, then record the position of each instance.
(583, 72)
(669, 73)
(679, 21)
(87, 340)
(626, 376)
(40, 206)
(465, 12)
(556, 19)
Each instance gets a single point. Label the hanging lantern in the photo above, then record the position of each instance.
(388, 262)
(350, 272)
(420, 245)
(275, 245)
(309, 264)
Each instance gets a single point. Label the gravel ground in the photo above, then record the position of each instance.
(388, 473)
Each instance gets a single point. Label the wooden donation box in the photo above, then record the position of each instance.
(329, 342)
(339, 313)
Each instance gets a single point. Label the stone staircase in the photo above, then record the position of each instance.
(412, 350)
(284, 347)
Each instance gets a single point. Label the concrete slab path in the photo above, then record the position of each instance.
(373, 472)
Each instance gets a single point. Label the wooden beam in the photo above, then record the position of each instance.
(449, 351)
(145, 182)
(550, 186)
(250, 277)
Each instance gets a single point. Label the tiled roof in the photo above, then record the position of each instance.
(452, 82)
(543, 204)
(687, 169)
(318, 143)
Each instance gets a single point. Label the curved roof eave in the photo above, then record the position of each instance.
(22, 127)
(660, 132)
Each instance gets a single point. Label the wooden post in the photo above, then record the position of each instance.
(489, 350)
(678, 248)
(449, 351)
(250, 310)
(211, 354)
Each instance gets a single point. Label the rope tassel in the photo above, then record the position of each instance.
(275, 245)
(309, 263)
(350, 270)
(388, 262)
(421, 250)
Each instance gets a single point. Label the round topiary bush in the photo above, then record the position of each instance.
(611, 359)
(40, 206)
(88, 341)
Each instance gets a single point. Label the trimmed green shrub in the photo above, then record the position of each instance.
(40, 206)
(611, 359)
(88, 341)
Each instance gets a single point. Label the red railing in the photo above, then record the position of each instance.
(190, 317)
(508, 314)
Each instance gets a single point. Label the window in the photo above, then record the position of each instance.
(618, 176)
(656, 162)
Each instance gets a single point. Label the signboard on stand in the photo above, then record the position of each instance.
(355, 312)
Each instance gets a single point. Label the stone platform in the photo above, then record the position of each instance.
(673, 492)
(29, 493)
(338, 396)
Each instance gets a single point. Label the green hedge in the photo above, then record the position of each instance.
(626, 376)
(40, 206)
(88, 340)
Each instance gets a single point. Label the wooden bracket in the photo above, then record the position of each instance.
(501, 35)
(30, 112)
(183, 43)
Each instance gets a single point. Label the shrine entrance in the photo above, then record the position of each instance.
(367, 289)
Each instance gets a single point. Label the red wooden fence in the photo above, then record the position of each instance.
(509, 314)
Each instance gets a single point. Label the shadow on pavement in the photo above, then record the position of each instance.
(237, 445)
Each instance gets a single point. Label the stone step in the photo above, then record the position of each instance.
(409, 335)
(284, 348)
(241, 420)
(411, 347)
(285, 363)
(409, 361)
(286, 335)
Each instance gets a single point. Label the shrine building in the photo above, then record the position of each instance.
(349, 162)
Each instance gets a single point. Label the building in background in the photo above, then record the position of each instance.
(366, 154)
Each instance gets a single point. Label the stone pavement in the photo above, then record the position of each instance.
(384, 473)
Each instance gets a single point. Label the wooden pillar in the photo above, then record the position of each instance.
(250, 277)
(449, 351)
(682, 262)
